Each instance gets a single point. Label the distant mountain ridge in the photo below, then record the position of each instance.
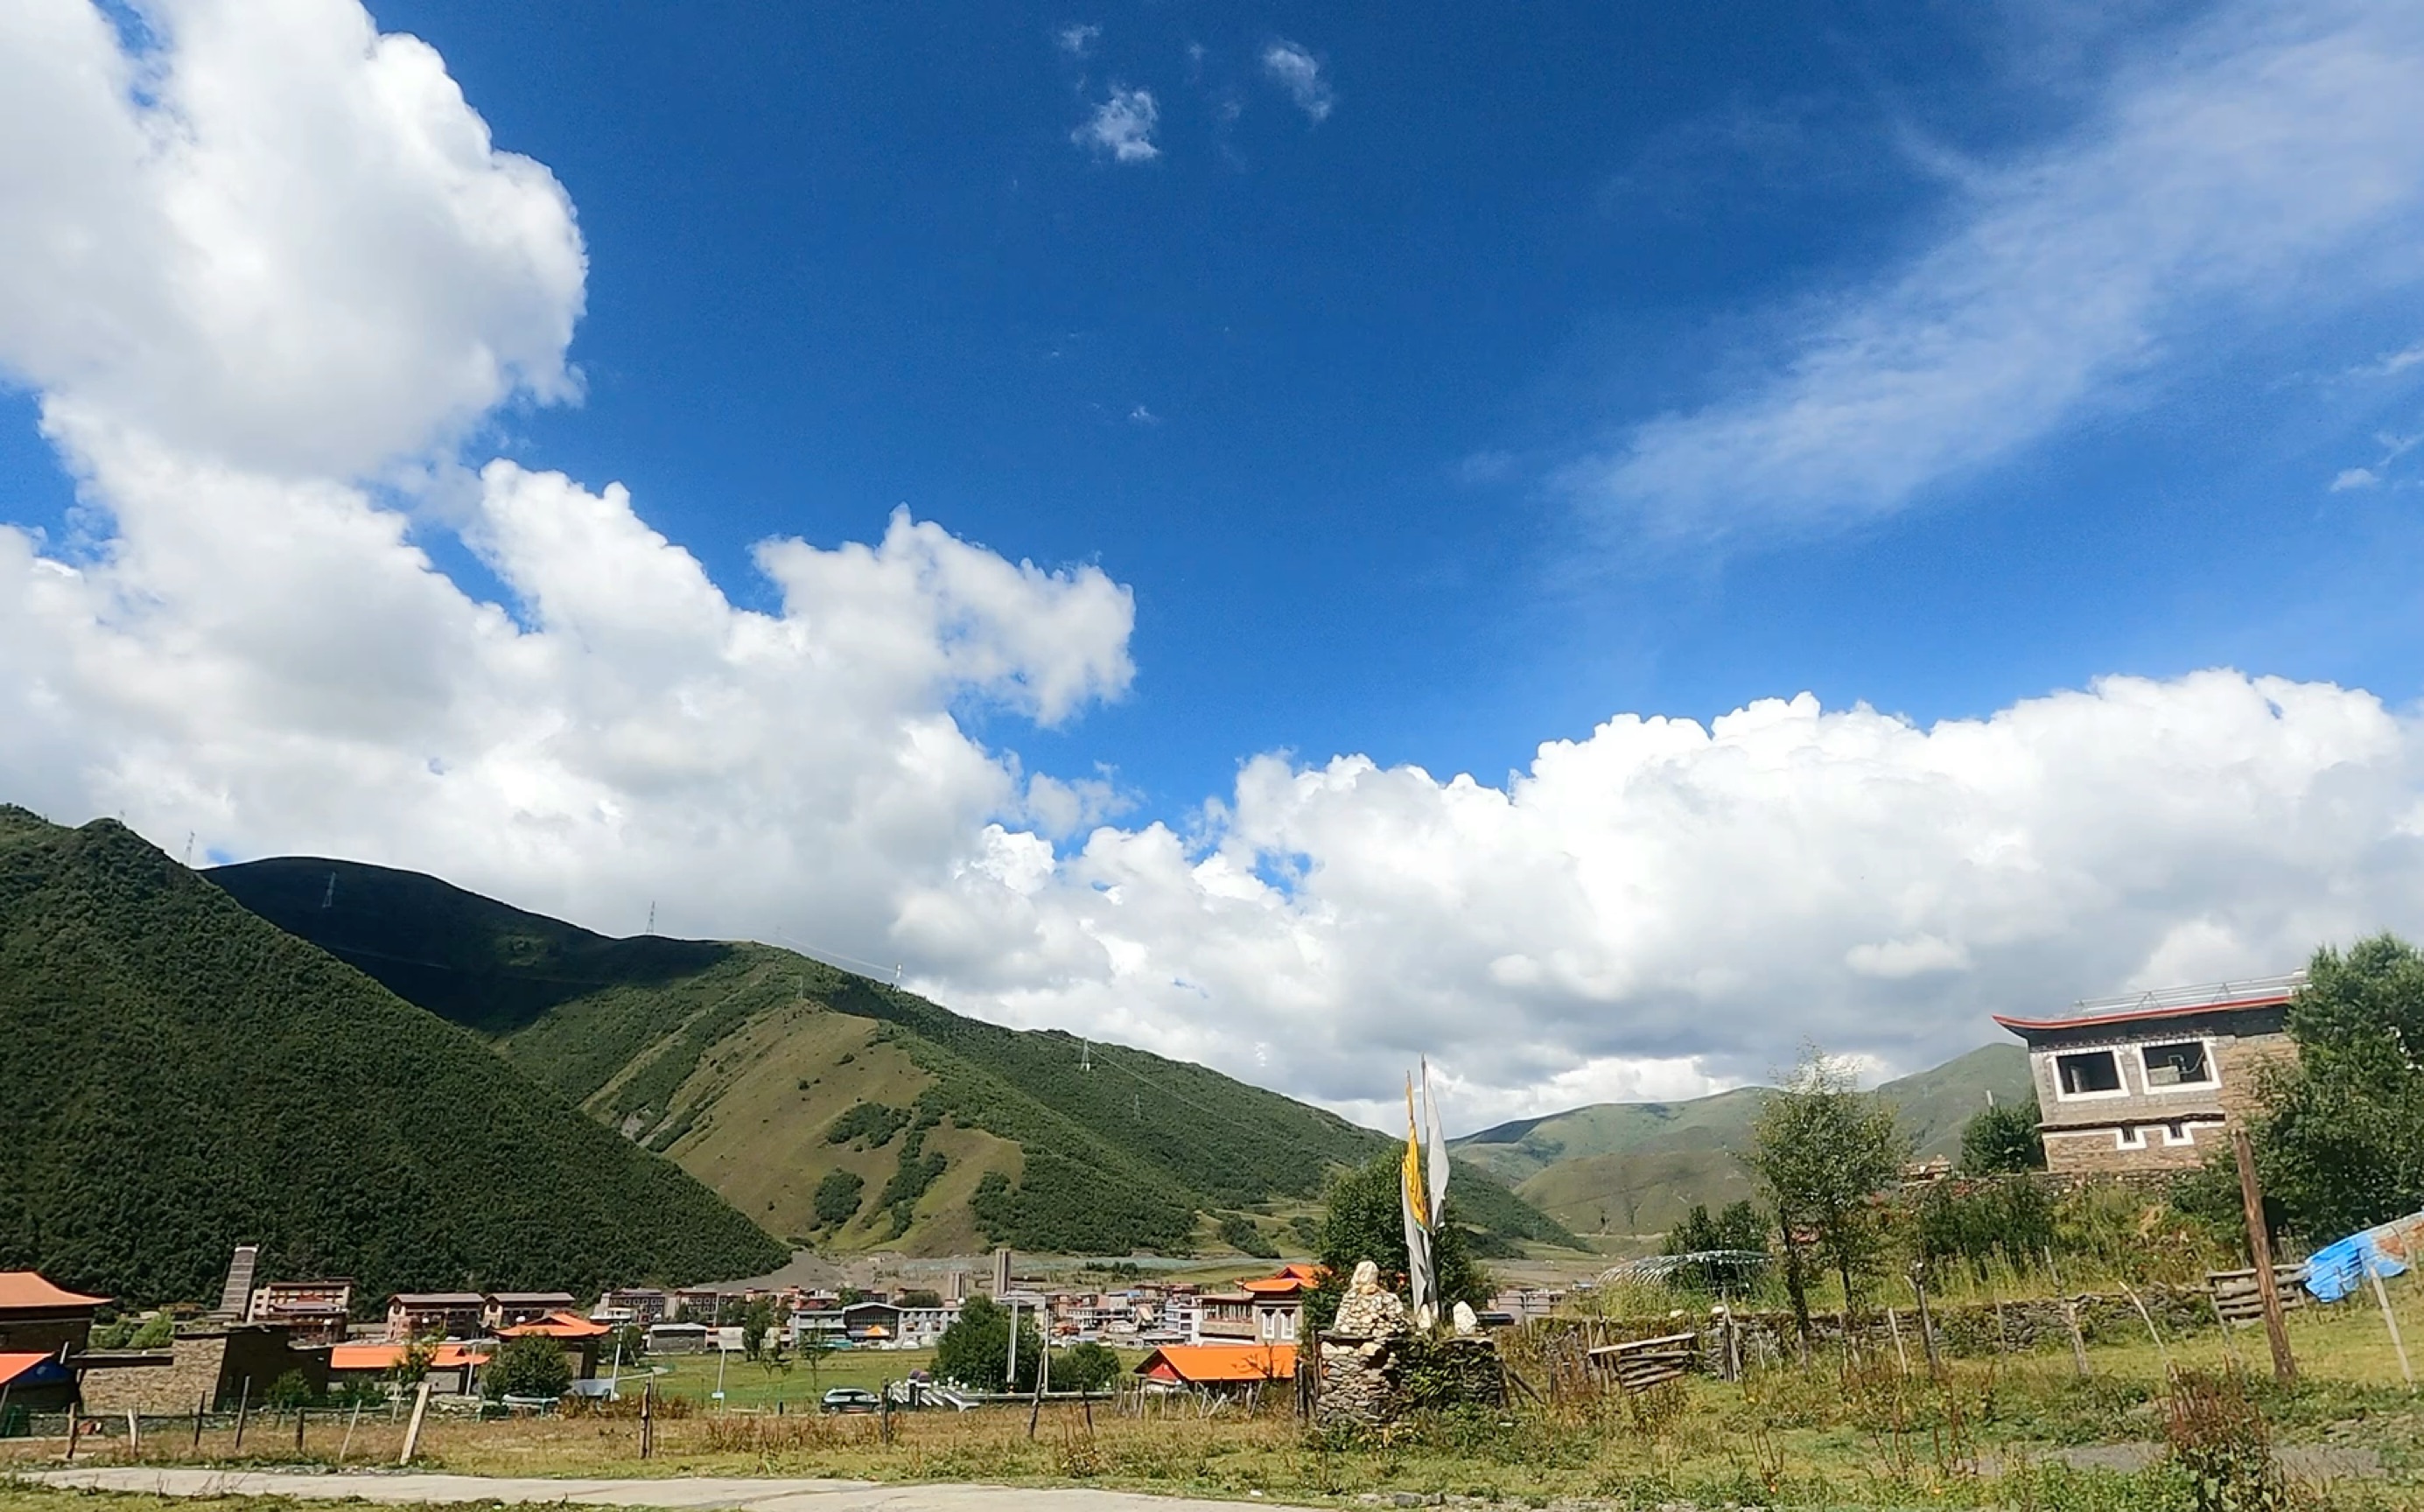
(1629, 1170)
(184, 1076)
(840, 1110)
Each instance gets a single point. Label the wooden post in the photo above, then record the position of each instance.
(350, 1424)
(2390, 1321)
(2152, 1333)
(2069, 1316)
(135, 1430)
(76, 1421)
(1043, 1374)
(647, 1418)
(1926, 1324)
(2260, 1245)
(243, 1412)
(300, 1413)
(1893, 1325)
(412, 1429)
(199, 1408)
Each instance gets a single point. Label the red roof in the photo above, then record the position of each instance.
(2143, 1015)
(27, 1289)
(557, 1325)
(12, 1366)
(1284, 1282)
(386, 1356)
(1197, 1364)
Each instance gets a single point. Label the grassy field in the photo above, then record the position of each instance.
(749, 1386)
(2019, 1430)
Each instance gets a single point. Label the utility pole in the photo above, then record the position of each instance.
(2259, 1247)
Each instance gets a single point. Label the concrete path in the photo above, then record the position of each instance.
(703, 1493)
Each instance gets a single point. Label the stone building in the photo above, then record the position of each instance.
(314, 1312)
(435, 1315)
(37, 1317)
(2153, 1082)
(220, 1366)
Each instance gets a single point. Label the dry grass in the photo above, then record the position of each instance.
(1835, 1434)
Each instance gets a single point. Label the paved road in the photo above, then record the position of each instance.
(702, 1492)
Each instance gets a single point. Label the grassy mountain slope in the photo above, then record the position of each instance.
(185, 1077)
(1633, 1170)
(773, 1077)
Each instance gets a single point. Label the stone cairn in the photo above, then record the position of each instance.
(1370, 1349)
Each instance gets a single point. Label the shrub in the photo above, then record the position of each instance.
(292, 1390)
(837, 1198)
(530, 1366)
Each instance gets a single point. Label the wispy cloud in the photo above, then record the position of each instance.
(2390, 364)
(1142, 416)
(1122, 127)
(1299, 72)
(2268, 147)
(2392, 448)
(1077, 39)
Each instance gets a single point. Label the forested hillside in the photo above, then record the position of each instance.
(184, 1076)
(833, 1108)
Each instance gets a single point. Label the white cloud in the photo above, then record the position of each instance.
(302, 255)
(1121, 126)
(2348, 478)
(2272, 161)
(1299, 72)
(259, 652)
(1685, 903)
(1077, 39)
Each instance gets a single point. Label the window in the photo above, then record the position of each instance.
(2087, 1073)
(2130, 1137)
(2176, 1065)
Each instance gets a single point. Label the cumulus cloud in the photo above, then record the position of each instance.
(1299, 72)
(258, 650)
(1671, 907)
(1077, 38)
(2272, 160)
(1121, 126)
(283, 242)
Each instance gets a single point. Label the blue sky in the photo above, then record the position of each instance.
(844, 260)
(470, 436)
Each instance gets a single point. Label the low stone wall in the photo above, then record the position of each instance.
(1367, 1382)
(1963, 1330)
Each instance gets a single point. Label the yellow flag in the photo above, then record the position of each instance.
(1417, 1200)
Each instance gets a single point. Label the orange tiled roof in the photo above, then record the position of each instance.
(1284, 1281)
(385, 1356)
(14, 1365)
(1202, 1363)
(26, 1288)
(557, 1325)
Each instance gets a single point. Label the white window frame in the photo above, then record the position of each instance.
(2129, 1136)
(2120, 1072)
(2212, 1068)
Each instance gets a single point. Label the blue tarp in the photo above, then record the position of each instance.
(2339, 1268)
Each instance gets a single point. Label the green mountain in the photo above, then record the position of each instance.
(837, 1110)
(183, 1077)
(1629, 1170)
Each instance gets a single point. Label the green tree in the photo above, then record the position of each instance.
(1738, 1229)
(1084, 1367)
(975, 1349)
(2002, 1138)
(838, 1197)
(292, 1390)
(1240, 1233)
(1362, 1221)
(2341, 1144)
(1820, 1149)
(533, 1365)
(756, 1321)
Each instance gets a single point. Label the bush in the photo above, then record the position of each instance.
(1238, 1233)
(837, 1198)
(292, 1390)
(1084, 1367)
(2002, 1138)
(530, 1366)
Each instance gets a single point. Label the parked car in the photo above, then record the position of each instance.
(851, 1399)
